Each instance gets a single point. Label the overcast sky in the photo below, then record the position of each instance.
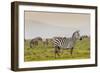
(47, 25)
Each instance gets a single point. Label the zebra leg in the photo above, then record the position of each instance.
(57, 51)
(56, 54)
(71, 51)
(30, 45)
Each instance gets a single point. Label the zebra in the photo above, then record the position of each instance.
(65, 43)
(46, 42)
(35, 41)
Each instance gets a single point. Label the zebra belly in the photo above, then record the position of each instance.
(67, 45)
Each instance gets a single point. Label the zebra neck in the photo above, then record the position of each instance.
(74, 40)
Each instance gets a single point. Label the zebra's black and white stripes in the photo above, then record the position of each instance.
(65, 43)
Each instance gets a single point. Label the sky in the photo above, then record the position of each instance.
(48, 25)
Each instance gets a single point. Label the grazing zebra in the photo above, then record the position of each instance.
(46, 42)
(65, 43)
(35, 41)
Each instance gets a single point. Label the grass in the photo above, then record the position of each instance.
(44, 52)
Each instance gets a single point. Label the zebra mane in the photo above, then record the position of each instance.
(75, 32)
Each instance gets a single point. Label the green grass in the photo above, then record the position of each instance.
(44, 52)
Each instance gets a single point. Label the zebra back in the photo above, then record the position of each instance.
(63, 42)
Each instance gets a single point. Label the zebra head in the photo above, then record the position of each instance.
(76, 35)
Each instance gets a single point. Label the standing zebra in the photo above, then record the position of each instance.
(65, 43)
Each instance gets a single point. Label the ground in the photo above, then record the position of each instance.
(44, 52)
